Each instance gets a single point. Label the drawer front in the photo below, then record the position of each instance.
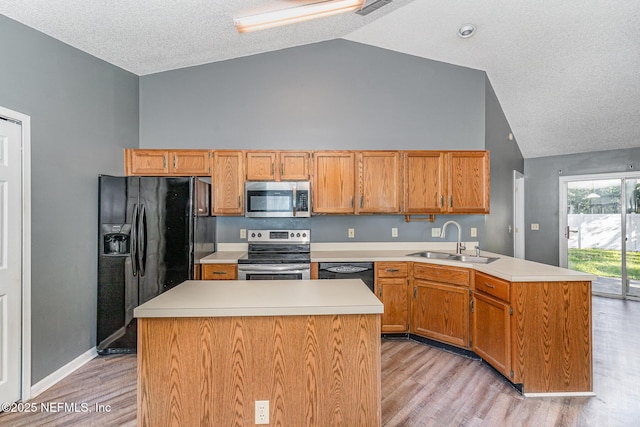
(493, 286)
(219, 271)
(444, 274)
(392, 269)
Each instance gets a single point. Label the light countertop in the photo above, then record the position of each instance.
(506, 267)
(224, 298)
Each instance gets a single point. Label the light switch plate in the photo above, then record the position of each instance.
(435, 232)
(243, 233)
(394, 232)
(474, 232)
(351, 233)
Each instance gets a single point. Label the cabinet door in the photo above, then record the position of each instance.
(146, 162)
(333, 182)
(294, 165)
(491, 332)
(468, 182)
(227, 183)
(261, 166)
(380, 182)
(393, 294)
(190, 162)
(219, 271)
(424, 182)
(441, 312)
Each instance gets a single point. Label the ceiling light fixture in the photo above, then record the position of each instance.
(295, 14)
(466, 31)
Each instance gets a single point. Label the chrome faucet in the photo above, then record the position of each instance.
(459, 246)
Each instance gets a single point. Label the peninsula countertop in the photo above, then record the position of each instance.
(506, 267)
(225, 298)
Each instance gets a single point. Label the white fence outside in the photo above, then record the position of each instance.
(602, 231)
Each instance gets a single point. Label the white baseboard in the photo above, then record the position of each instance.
(562, 394)
(61, 373)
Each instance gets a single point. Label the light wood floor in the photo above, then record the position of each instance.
(421, 386)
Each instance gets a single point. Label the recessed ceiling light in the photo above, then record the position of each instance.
(466, 31)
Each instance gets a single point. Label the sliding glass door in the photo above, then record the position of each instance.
(600, 231)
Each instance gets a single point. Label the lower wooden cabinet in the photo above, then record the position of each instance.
(391, 287)
(219, 271)
(440, 304)
(491, 332)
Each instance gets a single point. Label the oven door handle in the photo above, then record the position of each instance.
(289, 268)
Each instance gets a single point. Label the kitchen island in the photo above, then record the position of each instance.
(208, 350)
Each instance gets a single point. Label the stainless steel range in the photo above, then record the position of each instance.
(276, 255)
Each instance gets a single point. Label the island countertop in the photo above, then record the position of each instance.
(225, 298)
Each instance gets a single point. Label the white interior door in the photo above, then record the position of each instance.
(518, 215)
(10, 260)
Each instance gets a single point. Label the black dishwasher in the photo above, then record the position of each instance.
(347, 270)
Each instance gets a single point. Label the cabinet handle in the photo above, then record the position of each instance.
(164, 161)
(175, 161)
(361, 201)
(238, 201)
(392, 270)
(472, 305)
(219, 272)
(351, 201)
(441, 201)
(273, 168)
(415, 292)
(450, 201)
(488, 285)
(282, 168)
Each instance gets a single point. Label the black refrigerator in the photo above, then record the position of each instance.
(150, 232)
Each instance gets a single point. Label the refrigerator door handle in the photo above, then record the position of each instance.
(142, 240)
(134, 240)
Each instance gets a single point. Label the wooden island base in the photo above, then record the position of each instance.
(315, 370)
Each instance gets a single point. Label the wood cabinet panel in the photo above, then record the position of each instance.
(261, 165)
(441, 312)
(219, 271)
(442, 273)
(146, 162)
(551, 336)
(491, 332)
(294, 165)
(313, 369)
(424, 182)
(227, 182)
(392, 288)
(190, 162)
(380, 183)
(468, 182)
(492, 286)
(334, 182)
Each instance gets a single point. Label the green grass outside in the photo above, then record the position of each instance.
(604, 263)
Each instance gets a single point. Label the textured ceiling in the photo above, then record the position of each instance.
(567, 74)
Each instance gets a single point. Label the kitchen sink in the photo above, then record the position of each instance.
(452, 257)
(429, 254)
(472, 258)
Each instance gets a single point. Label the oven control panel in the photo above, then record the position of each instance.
(279, 236)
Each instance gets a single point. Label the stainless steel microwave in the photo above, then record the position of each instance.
(277, 199)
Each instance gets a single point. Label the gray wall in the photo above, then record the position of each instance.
(331, 95)
(542, 193)
(83, 113)
(505, 158)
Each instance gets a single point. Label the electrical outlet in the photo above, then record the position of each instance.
(262, 412)
(351, 233)
(394, 232)
(435, 232)
(535, 226)
(243, 233)
(474, 232)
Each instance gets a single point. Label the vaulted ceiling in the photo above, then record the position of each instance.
(567, 74)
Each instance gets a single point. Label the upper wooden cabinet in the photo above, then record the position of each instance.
(167, 162)
(277, 165)
(469, 181)
(424, 182)
(446, 182)
(334, 182)
(380, 183)
(227, 181)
